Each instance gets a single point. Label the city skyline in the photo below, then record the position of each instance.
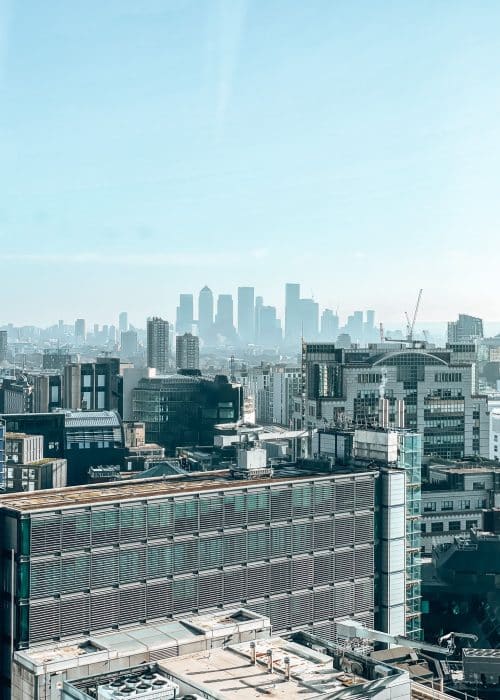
(190, 144)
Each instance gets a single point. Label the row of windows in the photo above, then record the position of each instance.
(453, 526)
(463, 504)
(448, 377)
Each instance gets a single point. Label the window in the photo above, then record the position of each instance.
(469, 524)
(101, 380)
(454, 526)
(429, 507)
(447, 505)
(423, 528)
(437, 527)
(465, 505)
(478, 485)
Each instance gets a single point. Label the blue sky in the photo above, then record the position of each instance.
(151, 147)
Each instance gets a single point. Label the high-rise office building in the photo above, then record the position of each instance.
(158, 344)
(292, 314)
(129, 343)
(123, 322)
(246, 314)
(185, 314)
(94, 385)
(80, 331)
(206, 314)
(269, 327)
(329, 325)
(3, 346)
(187, 351)
(309, 319)
(259, 303)
(465, 330)
(224, 318)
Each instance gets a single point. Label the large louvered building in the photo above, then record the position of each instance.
(298, 546)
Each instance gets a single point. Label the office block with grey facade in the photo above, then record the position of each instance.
(187, 351)
(438, 386)
(297, 547)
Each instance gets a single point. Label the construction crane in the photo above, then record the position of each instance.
(410, 326)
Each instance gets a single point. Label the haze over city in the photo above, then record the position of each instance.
(350, 146)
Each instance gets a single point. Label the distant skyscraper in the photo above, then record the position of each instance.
(259, 303)
(246, 314)
(309, 318)
(80, 330)
(466, 329)
(129, 343)
(123, 322)
(187, 351)
(224, 319)
(329, 325)
(3, 346)
(292, 313)
(158, 344)
(185, 314)
(270, 327)
(205, 313)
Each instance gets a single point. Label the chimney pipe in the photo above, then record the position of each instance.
(383, 413)
(287, 668)
(400, 414)
(270, 663)
(253, 655)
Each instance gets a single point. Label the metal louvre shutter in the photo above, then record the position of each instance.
(186, 520)
(235, 509)
(280, 576)
(301, 609)
(235, 548)
(364, 494)
(45, 577)
(281, 503)
(211, 590)
(326, 630)
(104, 568)
(104, 608)
(235, 584)
(45, 534)
(133, 523)
(185, 556)
(366, 619)
(185, 594)
(257, 580)
(324, 493)
(261, 607)
(344, 496)
(132, 564)
(323, 603)
(343, 599)
(160, 519)
(323, 569)
(259, 544)
(105, 526)
(324, 534)
(302, 501)
(280, 613)
(363, 561)
(159, 599)
(44, 620)
(159, 560)
(344, 565)
(281, 540)
(302, 535)
(363, 595)
(75, 614)
(344, 531)
(132, 604)
(302, 572)
(258, 506)
(211, 512)
(76, 530)
(75, 573)
(363, 528)
(210, 552)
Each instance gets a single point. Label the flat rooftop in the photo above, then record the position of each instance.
(139, 489)
(229, 673)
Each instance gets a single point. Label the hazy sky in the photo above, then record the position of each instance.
(149, 147)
